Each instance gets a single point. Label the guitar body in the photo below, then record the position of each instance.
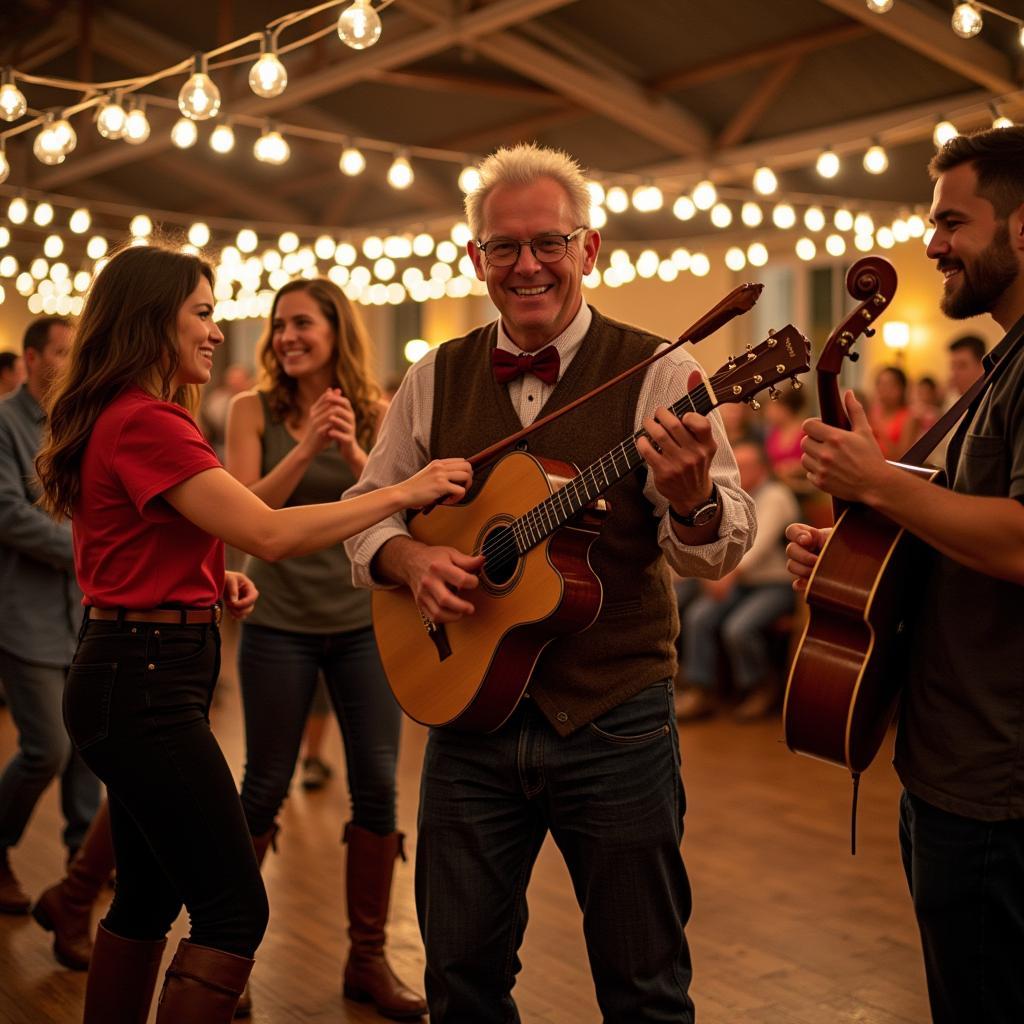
(471, 674)
(846, 676)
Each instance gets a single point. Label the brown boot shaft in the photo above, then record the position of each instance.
(370, 866)
(122, 977)
(202, 985)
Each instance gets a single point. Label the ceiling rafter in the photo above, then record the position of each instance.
(928, 33)
(414, 46)
(766, 93)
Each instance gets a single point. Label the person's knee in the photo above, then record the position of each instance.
(46, 756)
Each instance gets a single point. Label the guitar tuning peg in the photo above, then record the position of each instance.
(797, 384)
(854, 356)
(869, 332)
(750, 355)
(755, 404)
(774, 394)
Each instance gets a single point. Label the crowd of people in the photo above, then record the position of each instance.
(111, 497)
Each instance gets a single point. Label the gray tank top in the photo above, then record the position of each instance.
(308, 593)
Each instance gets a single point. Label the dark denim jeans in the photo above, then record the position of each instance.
(44, 753)
(967, 882)
(612, 798)
(278, 671)
(136, 706)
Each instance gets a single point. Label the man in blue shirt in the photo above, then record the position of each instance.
(40, 609)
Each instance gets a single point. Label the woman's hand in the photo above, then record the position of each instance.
(445, 479)
(805, 542)
(330, 421)
(240, 594)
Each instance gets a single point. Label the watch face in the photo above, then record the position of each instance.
(704, 515)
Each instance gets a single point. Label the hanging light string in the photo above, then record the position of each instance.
(966, 20)
(95, 93)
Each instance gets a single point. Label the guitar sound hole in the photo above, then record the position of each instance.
(500, 556)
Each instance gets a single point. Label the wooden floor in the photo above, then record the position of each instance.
(787, 927)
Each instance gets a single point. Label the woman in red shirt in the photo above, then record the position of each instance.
(151, 508)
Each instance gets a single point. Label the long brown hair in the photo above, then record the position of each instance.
(351, 368)
(126, 336)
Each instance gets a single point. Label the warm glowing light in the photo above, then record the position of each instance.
(222, 139)
(5, 166)
(199, 234)
(184, 133)
(423, 244)
(43, 215)
(352, 161)
(700, 265)
(271, 148)
(469, 179)
(267, 77)
(843, 219)
(896, 334)
(617, 199)
(359, 26)
(53, 246)
(751, 214)
(721, 215)
(110, 121)
(141, 226)
(876, 160)
(400, 173)
(828, 164)
(199, 98)
(814, 218)
(944, 131)
(784, 216)
(705, 195)
(17, 211)
(879, 6)
(735, 258)
(416, 349)
(96, 247)
(765, 182)
(247, 240)
(757, 254)
(835, 245)
(136, 127)
(684, 208)
(373, 247)
(966, 21)
(806, 249)
(648, 198)
(12, 100)
(596, 190)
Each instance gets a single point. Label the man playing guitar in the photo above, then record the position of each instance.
(960, 743)
(592, 754)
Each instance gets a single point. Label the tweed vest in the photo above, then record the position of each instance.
(632, 643)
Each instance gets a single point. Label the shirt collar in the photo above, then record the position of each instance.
(29, 404)
(566, 344)
(1013, 335)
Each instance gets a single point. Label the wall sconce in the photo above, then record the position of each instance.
(896, 335)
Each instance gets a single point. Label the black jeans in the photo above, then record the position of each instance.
(967, 881)
(137, 708)
(278, 670)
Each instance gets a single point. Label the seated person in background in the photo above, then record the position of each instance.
(782, 440)
(892, 420)
(740, 606)
(927, 404)
(12, 373)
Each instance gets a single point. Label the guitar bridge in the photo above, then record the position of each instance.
(438, 636)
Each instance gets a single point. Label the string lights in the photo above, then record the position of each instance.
(967, 19)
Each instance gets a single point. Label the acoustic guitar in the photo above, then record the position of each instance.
(850, 664)
(534, 521)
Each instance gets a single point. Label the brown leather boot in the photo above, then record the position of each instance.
(66, 908)
(13, 899)
(122, 976)
(368, 976)
(262, 844)
(202, 986)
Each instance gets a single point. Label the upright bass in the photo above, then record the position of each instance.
(846, 676)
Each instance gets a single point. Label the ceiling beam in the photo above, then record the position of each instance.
(929, 34)
(522, 129)
(473, 85)
(767, 91)
(770, 53)
(352, 68)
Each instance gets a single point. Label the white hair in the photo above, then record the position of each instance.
(524, 164)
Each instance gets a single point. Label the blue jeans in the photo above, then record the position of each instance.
(44, 753)
(967, 881)
(137, 707)
(278, 671)
(612, 798)
(741, 620)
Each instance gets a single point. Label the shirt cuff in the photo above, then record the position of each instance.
(363, 548)
(716, 558)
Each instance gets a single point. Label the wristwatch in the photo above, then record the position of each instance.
(699, 515)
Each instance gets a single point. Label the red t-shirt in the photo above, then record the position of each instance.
(132, 549)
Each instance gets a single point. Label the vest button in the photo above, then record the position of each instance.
(151, 666)
(522, 445)
(562, 716)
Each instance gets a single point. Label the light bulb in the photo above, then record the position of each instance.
(806, 249)
(784, 216)
(53, 246)
(828, 164)
(879, 6)
(765, 182)
(359, 25)
(843, 219)
(863, 224)
(271, 148)
(596, 190)
(647, 199)
(43, 215)
(352, 161)
(1002, 121)
(943, 132)
(17, 212)
(460, 233)
(110, 121)
(700, 265)
(735, 258)
(469, 179)
(598, 217)
(422, 244)
(184, 133)
(80, 221)
(966, 21)
(12, 100)
(50, 145)
(814, 218)
(400, 174)
(96, 248)
(721, 215)
(222, 139)
(288, 242)
(757, 254)
(1020, 36)
(199, 98)
(876, 160)
(373, 247)
(141, 226)
(247, 240)
(136, 127)
(5, 166)
(617, 199)
(885, 238)
(199, 234)
(864, 243)
(267, 77)
(647, 264)
(705, 195)
(835, 245)
(751, 214)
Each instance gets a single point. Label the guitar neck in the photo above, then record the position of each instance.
(555, 511)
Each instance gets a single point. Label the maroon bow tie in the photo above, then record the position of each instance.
(543, 365)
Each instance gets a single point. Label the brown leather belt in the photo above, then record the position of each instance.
(183, 616)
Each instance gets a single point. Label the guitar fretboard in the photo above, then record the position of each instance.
(557, 509)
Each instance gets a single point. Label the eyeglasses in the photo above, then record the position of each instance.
(504, 252)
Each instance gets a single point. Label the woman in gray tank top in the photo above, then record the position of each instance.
(302, 438)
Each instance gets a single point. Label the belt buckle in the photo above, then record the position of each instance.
(218, 613)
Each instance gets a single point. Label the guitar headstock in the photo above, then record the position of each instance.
(781, 356)
(872, 279)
